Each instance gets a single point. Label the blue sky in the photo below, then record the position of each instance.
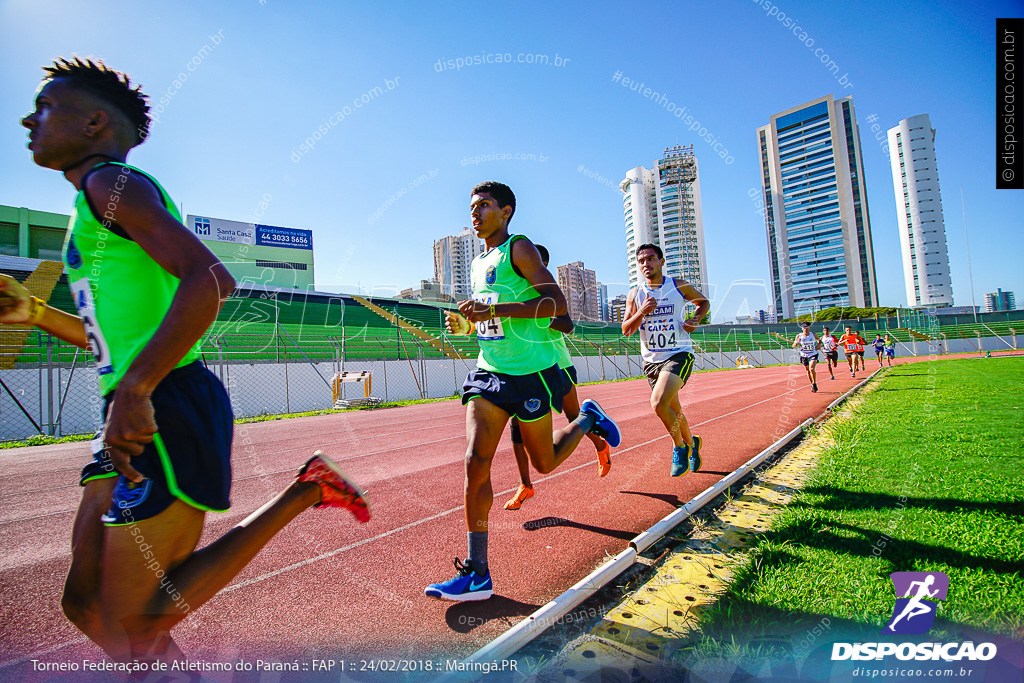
(230, 135)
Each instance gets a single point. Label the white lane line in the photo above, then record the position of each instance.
(337, 551)
(42, 653)
(257, 579)
(356, 457)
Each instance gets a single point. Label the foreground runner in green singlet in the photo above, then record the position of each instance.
(514, 299)
(146, 290)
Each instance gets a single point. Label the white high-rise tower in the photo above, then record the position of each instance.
(915, 180)
(662, 206)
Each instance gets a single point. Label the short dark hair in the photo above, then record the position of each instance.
(500, 192)
(109, 85)
(655, 247)
(544, 256)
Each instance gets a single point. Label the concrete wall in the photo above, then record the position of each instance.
(276, 388)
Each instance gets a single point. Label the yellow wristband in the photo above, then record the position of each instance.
(493, 314)
(36, 310)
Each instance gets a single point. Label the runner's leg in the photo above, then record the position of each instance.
(549, 449)
(684, 427)
(484, 424)
(81, 600)
(522, 461)
(149, 608)
(663, 398)
(571, 410)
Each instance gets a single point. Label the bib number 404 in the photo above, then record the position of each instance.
(661, 340)
(489, 330)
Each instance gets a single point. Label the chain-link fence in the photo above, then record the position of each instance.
(49, 387)
(46, 387)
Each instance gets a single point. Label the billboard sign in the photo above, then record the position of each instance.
(292, 238)
(235, 232)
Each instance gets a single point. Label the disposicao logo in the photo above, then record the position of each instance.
(917, 596)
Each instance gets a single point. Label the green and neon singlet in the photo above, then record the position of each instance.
(513, 346)
(121, 293)
(562, 356)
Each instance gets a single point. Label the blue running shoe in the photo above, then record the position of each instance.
(679, 464)
(604, 426)
(695, 455)
(467, 585)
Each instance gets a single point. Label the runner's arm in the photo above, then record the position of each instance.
(204, 281)
(563, 324)
(15, 305)
(694, 297)
(632, 317)
(550, 304)
(64, 325)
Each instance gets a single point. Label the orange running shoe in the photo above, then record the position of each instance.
(516, 501)
(604, 460)
(336, 489)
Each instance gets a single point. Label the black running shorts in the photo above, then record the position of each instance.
(527, 397)
(680, 364)
(189, 458)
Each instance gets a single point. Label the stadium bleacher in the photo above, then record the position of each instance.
(262, 324)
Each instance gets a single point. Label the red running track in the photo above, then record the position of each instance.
(328, 587)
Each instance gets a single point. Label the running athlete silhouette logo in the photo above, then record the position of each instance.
(917, 594)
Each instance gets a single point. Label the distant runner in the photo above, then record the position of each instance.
(808, 345)
(830, 345)
(890, 349)
(861, 343)
(849, 342)
(879, 344)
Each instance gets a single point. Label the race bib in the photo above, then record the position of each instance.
(489, 330)
(808, 343)
(86, 306)
(661, 335)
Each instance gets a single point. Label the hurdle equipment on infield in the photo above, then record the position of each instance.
(346, 377)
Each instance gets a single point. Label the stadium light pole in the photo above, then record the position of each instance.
(970, 277)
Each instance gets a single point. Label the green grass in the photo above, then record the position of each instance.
(924, 477)
(43, 440)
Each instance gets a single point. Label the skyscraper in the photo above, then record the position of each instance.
(1000, 301)
(617, 309)
(452, 258)
(816, 208)
(915, 179)
(662, 206)
(580, 288)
